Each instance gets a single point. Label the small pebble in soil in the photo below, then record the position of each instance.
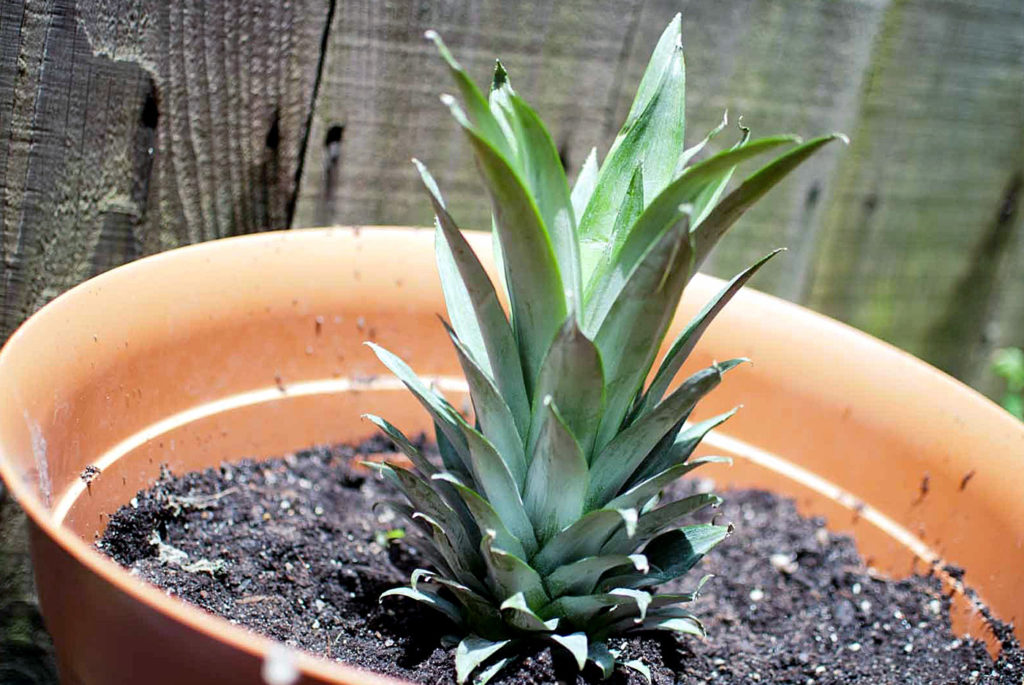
(789, 603)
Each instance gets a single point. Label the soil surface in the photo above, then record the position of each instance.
(292, 548)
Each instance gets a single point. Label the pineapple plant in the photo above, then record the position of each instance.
(545, 517)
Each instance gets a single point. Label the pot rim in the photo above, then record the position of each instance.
(216, 627)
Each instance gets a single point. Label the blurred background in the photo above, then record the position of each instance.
(129, 127)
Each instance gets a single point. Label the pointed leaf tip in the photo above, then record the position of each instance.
(577, 645)
(471, 653)
(640, 667)
(500, 77)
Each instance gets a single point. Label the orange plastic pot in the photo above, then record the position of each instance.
(251, 347)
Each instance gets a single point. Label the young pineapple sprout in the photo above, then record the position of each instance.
(545, 517)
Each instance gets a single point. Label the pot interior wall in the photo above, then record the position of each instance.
(252, 347)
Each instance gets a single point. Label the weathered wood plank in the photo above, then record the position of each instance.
(921, 223)
(785, 67)
(880, 234)
(378, 103)
(127, 128)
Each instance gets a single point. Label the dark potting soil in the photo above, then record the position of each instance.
(293, 548)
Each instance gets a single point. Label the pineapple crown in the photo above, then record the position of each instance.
(545, 517)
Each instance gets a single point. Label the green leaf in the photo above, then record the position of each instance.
(576, 644)
(614, 466)
(640, 667)
(584, 186)
(464, 567)
(680, 448)
(480, 614)
(531, 272)
(674, 204)
(630, 334)
(541, 169)
(474, 308)
(640, 598)
(580, 577)
(629, 211)
(654, 139)
(660, 61)
(485, 516)
(398, 437)
(556, 483)
(602, 658)
(674, 553)
(472, 652)
(476, 104)
(657, 521)
(583, 538)
(445, 417)
(500, 76)
(450, 457)
(430, 599)
(426, 500)
(500, 102)
(736, 203)
(499, 488)
(572, 375)
(491, 671)
(649, 487)
(687, 340)
(709, 195)
(519, 615)
(693, 151)
(594, 253)
(619, 615)
(666, 600)
(579, 611)
(672, 619)
(507, 574)
(496, 420)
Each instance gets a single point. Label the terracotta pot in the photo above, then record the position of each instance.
(252, 347)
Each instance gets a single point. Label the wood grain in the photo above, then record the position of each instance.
(884, 234)
(378, 104)
(129, 127)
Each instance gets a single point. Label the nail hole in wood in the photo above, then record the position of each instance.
(150, 115)
(563, 155)
(813, 193)
(274, 134)
(332, 142)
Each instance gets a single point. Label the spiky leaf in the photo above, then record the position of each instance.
(736, 203)
(492, 412)
(576, 644)
(474, 307)
(472, 652)
(538, 299)
(653, 137)
(556, 485)
(572, 375)
(614, 466)
(580, 577)
(687, 339)
(499, 487)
